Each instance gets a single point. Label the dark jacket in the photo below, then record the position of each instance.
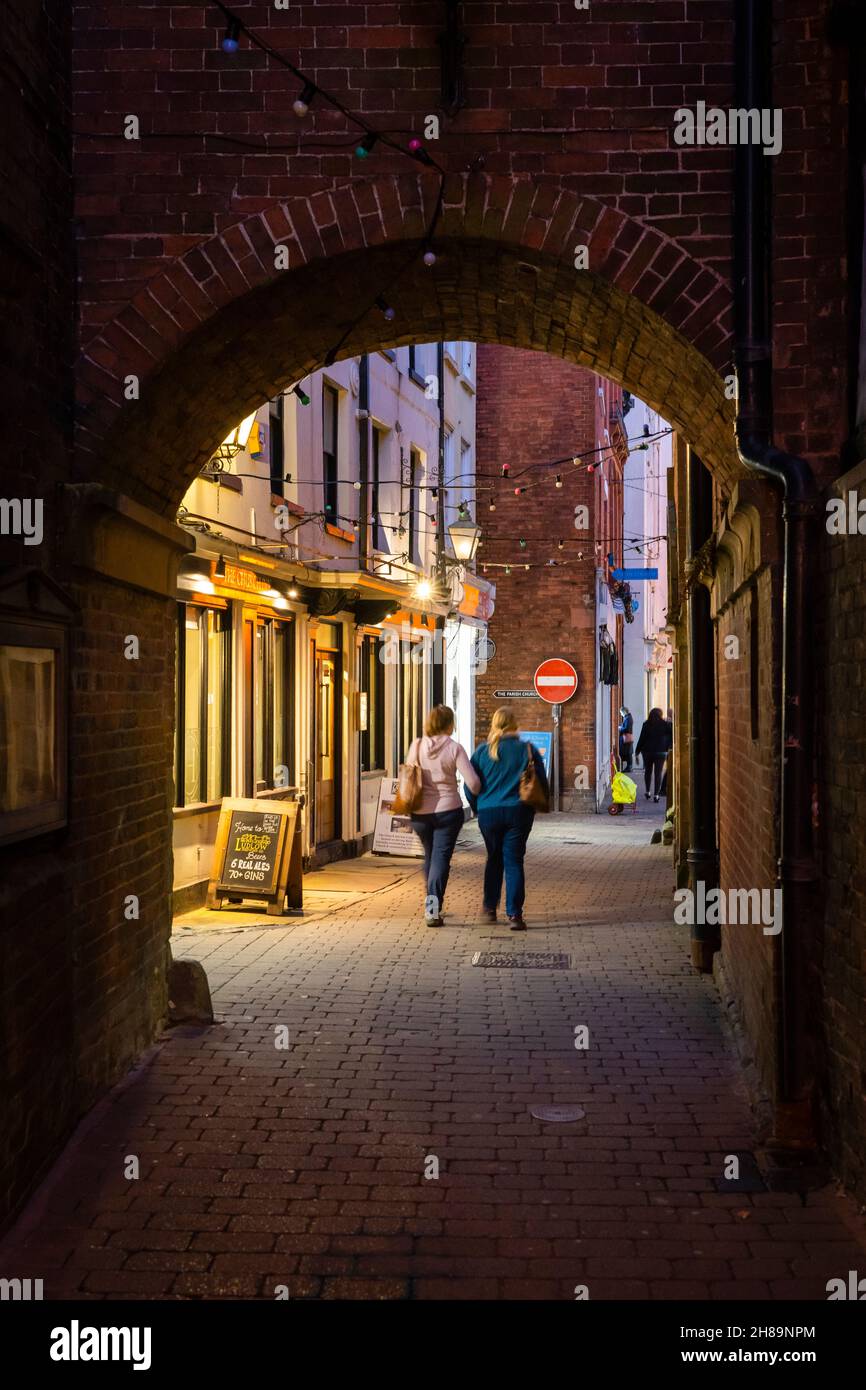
(655, 739)
(500, 779)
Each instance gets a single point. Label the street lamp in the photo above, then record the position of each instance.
(465, 535)
(235, 441)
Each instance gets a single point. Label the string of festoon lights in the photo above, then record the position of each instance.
(414, 148)
(585, 458)
(369, 138)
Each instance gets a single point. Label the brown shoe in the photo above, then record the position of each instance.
(488, 914)
(517, 924)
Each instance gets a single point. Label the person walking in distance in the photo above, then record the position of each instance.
(626, 738)
(654, 745)
(504, 819)
(438, 818)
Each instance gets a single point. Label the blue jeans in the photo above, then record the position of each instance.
(438, 831)
(505, 830)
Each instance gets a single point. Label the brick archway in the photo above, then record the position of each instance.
(219, 330)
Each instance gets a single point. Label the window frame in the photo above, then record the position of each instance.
(413, 519)
(28, 821)
(372, 684)
(277, 445)
(181, 802)
(331, 460)
(269, 624)
(379, 538)
(415, 372)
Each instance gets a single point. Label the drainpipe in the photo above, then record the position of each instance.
(441, 568)
(702, 856)
(752, 299)
(363, 524)
(364, 463)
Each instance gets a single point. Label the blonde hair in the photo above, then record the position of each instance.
(440, 720)
(503, 722)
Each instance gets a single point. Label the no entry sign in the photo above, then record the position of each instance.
(555, 680)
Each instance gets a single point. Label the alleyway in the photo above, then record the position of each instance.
(306, 1166)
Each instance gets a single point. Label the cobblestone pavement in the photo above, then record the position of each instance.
(306, 1167)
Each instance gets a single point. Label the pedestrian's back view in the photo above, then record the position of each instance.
(438, 816)
(504, 818)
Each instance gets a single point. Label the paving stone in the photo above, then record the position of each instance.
(309, 1170)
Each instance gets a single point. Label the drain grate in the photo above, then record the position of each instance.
(558, 1114)
(523, 960)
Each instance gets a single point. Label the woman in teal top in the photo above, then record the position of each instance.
(503, 819)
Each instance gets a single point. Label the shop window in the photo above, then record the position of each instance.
(330, 472)
(202, 754)
(273, 706)
(372, 686)
(411, 702)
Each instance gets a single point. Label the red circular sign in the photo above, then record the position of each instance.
(555, 680)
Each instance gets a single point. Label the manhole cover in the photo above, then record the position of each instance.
(557, 1114)
(523, 960)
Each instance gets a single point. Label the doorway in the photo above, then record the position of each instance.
(328, 762)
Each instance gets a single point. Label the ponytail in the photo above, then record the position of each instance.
(503, 722)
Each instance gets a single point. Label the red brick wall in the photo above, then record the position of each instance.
(840, 816)
(532, 408)
(84, 989)
(748, 787)
(571, 114)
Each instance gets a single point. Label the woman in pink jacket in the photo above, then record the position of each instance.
(438, 818)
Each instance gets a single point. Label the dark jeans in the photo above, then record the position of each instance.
(653, 766)
(505, 830)
(626, 752)
(438, 833)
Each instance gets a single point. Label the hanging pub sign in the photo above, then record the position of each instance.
(258, 855)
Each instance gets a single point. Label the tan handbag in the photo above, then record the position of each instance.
(409, 787)
(531, 790)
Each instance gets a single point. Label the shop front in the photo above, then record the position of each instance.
(236, 728)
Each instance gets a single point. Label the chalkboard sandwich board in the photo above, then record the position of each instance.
(258, 855)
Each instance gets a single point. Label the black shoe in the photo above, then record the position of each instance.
(517, 923)
(488, 914)
(655, 798)
(646, 796)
